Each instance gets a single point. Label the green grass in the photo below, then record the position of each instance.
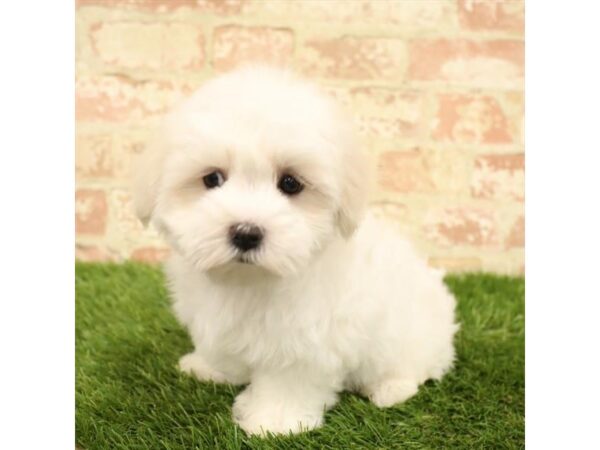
(129, 394)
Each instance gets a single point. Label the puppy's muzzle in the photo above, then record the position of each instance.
(245, 236)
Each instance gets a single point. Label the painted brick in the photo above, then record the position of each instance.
(403, 110)
(93, 157)
(236, 45)
(413, 15)
(155, 46)
(119, 98)
(154, 5)
(461, 226)
(479, 15)
(125, 232)
(474, 119)
(516, 236)
(383, 112)
(124, 220)
(385, 127)
(514, 106)
(106, 155)
(499, 177)
(199, 6)
(150, 254)
(355, 58)
(423, 171)
(498, 63)
(404, 172)
(90, 211)
(389, 102)
(220, 7)
(391, 210)
(89, 253)
(340, 94)
(456, 264)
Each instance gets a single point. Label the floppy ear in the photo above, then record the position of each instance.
(147, 177)
(356, 184)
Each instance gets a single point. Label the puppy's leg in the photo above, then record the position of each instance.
(283, 402)
(390, 391)
(226, 372)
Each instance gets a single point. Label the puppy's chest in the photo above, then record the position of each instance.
(275, 328)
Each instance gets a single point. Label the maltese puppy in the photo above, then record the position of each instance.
(283, 279)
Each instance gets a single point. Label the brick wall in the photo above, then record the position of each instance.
(436, 87)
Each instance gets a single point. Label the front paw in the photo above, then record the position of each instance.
(193, 364)
(390, 392)
(260, 415)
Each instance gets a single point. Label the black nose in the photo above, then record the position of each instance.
(245, 236)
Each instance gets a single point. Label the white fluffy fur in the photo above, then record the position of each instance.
(333, 299)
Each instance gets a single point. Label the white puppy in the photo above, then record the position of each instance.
(281, 277)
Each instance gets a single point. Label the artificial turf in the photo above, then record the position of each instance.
(129, 394)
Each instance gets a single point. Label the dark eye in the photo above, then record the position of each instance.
(289, 185)
(214, 179)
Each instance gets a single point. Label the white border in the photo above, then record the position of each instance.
(37, 226)
(563, 225)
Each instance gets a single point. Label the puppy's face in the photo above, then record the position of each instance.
(255, 169)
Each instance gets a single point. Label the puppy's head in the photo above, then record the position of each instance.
(257, 167)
